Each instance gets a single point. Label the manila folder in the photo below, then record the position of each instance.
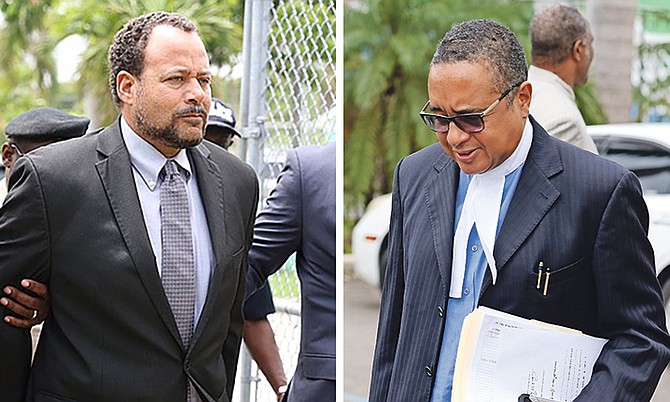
(501, 356)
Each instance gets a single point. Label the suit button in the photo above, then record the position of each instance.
(440, 311)
(187, 365)
(429, 371)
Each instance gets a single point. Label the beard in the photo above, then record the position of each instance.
(170, 134)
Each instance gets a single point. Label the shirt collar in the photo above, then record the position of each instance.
(146, 159)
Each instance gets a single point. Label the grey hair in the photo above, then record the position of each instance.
(554, 30)
(485, 41)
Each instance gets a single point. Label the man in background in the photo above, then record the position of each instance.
(221, 124)
(36, 128)
(562, 51)
(25, 133)
(300, 217)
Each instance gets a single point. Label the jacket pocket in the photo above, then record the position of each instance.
(319, 367)
(567, 272)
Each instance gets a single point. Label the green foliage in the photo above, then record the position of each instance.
(27, 68)
(32, 29)
(388, 48)
(15, 99)
(652, 94)
(99, 21)
(589, 105)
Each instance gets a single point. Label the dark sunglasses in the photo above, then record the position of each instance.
(470, 123)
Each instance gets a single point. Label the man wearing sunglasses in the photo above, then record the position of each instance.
(562, 50)
(475, 214)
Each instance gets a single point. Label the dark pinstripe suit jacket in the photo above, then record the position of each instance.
(582, 215)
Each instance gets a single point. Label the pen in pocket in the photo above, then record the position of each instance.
(546, 280)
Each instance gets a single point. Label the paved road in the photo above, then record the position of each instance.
(361, 309)
(361, 312)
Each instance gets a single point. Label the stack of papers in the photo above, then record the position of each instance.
(501, 356)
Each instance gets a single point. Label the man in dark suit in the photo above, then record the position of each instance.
(300, 217)
(133, 318)
(474, 215)
(30, 310)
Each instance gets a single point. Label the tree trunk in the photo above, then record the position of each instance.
(612, 24)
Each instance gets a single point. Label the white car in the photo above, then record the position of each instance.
(643, 148)
(369, 240)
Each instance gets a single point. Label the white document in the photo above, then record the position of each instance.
(509, 356)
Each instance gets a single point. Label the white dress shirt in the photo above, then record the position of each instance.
(147, 163)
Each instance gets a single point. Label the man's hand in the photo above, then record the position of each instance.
(30, 310)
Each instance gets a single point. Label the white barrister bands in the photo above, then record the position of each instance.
(482, 208)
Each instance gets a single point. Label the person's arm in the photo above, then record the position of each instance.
(630, 305)
(24, 253)
(392, 298)
(260, 340)
(29, 310)
(278, 227)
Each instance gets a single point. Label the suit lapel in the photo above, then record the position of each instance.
(117, 178)
(533, 197)
(440, 201)
(210, 184)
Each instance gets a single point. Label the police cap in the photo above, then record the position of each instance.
(221, 115)
(46, 123)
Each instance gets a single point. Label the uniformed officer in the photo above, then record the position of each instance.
(36, 128)
(220, 127)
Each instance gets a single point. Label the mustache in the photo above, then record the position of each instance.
(196, 109)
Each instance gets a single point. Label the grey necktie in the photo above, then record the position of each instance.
(178, 265)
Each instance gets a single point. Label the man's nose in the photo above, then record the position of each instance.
(196, 92)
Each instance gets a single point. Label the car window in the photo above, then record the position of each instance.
(649, 161)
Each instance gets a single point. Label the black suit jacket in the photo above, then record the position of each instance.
(580, 214)
(73, 219)
(300, 217)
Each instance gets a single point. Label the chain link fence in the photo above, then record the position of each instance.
(287, 100)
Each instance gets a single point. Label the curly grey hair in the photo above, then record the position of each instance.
(485, 41)
(127, 51)
(554, 30)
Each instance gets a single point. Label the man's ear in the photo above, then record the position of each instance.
(127, 86)
(524, 96)
(578, 50)
(7, 155)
